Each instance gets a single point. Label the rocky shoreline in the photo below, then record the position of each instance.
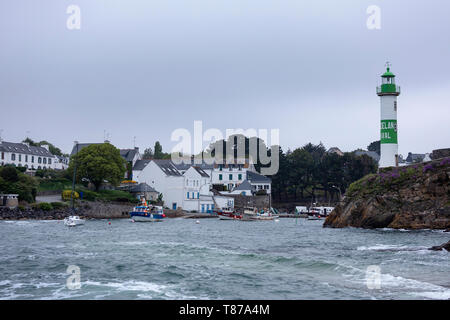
(411, 197)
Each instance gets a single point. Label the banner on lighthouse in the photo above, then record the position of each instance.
(389, 131)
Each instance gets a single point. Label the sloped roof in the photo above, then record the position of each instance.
(254, 177)
(141, 164)
(201, 171)
(245, 185)
(167, 167)
(23, 148)
(185, 166)
(128, 154)
(142, 187)
(79, 146)
(415, 157)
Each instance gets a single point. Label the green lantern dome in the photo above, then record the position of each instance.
(388, 86)
(388, 74)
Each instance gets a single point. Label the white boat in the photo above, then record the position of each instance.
(73, 221)
(251, 214)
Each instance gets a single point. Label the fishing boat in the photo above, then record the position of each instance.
(73, 221)
(147, 213)
(252, 214)
(228, 214)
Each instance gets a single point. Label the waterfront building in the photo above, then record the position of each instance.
(24, 155)
(388, 93)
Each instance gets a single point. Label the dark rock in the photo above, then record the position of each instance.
(416, 201)
(445, 246)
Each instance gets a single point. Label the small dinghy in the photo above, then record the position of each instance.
(73, 221)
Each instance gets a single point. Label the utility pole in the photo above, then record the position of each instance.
(74, 176)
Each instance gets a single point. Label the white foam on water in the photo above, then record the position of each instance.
(389, 247)
(129, 286)
(389, 282)
(4, 282)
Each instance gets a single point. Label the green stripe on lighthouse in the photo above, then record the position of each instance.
(389, 131)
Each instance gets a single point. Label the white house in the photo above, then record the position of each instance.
(197, 185)
(163, 176)
(188, 188)
(259, 181)
(24, 155)
(61, 163)
(245, 189)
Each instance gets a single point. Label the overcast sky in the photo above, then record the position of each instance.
(145, 68)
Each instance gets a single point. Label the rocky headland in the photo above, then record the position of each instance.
(409, 197)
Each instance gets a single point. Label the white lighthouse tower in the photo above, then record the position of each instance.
(388, 93)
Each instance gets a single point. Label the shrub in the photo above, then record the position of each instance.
(45, 206)
(58, 205)
(10, 174)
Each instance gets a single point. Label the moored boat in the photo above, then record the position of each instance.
(73, 221)
(228, 214)
(252, 214)
(147, 213)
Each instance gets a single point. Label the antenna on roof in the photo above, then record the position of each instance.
(134, 142)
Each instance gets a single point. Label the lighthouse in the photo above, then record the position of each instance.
(388, 93)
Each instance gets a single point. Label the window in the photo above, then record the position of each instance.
(187, 195)
(39, 160)
(239, 176)
(13, 157)
(44, 160)
(266, 187)
(26, 158)
(3, 156)
(220, 167)
(395, 105)
(198, 195)
(230, 177)
(49, 160)
(32, 159)
(220, 177)
(193, 195)
(20, 157)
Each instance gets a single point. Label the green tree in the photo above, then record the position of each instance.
(148, 153)
(158, 154)
(375, 146)
(53, 150)
(99, 163)
(18, 183)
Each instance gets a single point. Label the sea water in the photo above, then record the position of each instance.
(214, 259)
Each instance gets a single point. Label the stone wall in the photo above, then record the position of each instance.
(86, 210)
(241, 201)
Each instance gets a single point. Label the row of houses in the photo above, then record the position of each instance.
(187, 186)
(192, 186)
(30, 157)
